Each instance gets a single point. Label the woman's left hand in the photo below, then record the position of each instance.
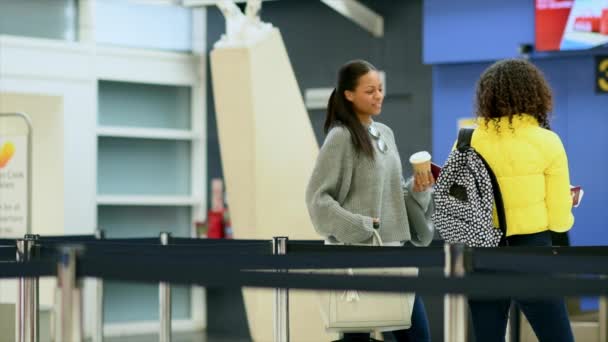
(423, 181)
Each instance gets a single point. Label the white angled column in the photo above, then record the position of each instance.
(268, 152)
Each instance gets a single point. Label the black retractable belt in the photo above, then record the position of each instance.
(8, 242)
(486, 285)
(545, 250)
(7, 253)
(66, 238)
(227, 242)
(538, 262)
(30, 269)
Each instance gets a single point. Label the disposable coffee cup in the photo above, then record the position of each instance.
(421, 162)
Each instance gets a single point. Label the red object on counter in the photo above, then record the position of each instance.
(215, 224)
(218, 224)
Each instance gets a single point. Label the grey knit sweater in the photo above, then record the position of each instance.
(347, 189)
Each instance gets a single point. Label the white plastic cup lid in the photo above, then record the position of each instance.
(420, 157)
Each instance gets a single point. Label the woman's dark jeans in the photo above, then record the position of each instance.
(548, 317)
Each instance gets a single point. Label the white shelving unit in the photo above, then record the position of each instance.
(149, 165)
(145, 133)
(73, 72)
(126, 200)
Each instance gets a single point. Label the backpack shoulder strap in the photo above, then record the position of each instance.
(464, 138)
(464, 142)
(500, 208)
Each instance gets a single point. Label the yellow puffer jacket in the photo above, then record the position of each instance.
(531, 166)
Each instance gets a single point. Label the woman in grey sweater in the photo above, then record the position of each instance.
(357, 185)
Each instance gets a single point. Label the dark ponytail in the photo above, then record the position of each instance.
(340, 110)
(330, 117)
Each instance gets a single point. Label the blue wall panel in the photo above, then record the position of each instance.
(587, 146)
(453, 92)
(475, 30)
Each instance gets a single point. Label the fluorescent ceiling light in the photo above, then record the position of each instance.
(360, 14)
(199, 3)
(157, 2)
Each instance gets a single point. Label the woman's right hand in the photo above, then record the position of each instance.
(423, 181)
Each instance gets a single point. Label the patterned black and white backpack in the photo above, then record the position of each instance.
(465, 193)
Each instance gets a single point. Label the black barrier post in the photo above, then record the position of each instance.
(71, 295)
(455, 305)
(164, 301)
(98, 333)
(281, 297)
(35, 290)
(27, 306)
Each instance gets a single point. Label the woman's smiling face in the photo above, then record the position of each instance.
(368, 95)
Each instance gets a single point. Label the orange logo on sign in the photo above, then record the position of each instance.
(6, 153)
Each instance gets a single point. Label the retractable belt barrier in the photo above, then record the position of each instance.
(157, 270)
(316, 255)
(313, 255)
(176, 263)
(525, 272)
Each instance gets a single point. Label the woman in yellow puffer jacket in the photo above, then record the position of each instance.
(513, 101)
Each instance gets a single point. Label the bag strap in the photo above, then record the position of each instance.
(500, 208)
(464, 139)
(377, 240)
(464, 142)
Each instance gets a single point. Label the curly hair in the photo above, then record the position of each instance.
(510, 87)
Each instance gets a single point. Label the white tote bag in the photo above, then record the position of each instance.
(360, 311)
